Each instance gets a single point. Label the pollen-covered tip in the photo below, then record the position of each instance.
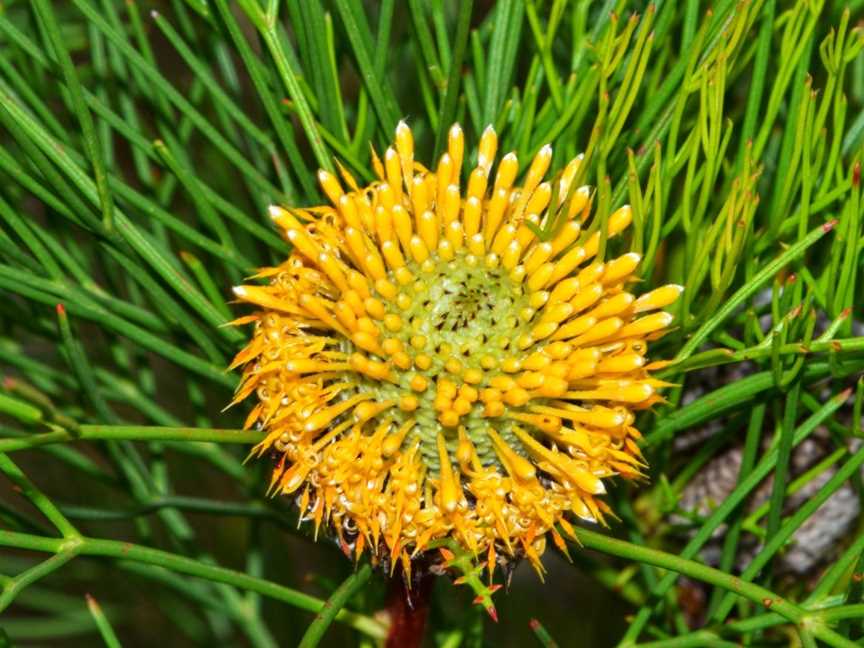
(403, 133)
(658, 298)
(539, 166)
(423, 348)
(620, 268)
(508, 167)
(487, 148)
(281, 217)
(330, 185)
(455, 148)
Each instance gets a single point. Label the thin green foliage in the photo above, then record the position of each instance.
(139, 152)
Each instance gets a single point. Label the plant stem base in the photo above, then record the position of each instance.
(409, 607)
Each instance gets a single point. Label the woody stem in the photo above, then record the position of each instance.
(409, 606)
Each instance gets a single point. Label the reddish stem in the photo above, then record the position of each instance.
(408, 609)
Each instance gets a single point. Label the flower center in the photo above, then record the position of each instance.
(450, 359)
(459, 302)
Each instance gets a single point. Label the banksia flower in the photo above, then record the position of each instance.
(438, 362)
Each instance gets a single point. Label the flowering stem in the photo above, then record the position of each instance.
(128, 551)
(12, 588)
(749, 289)
(334, 604)
(132, 433)
(715, 357)
(102, 623)
(734, 394)
(755, 593)
(715, 636)
(409, 607)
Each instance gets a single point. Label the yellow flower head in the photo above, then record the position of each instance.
(428, 368)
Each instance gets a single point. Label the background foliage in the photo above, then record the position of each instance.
(140, 144)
